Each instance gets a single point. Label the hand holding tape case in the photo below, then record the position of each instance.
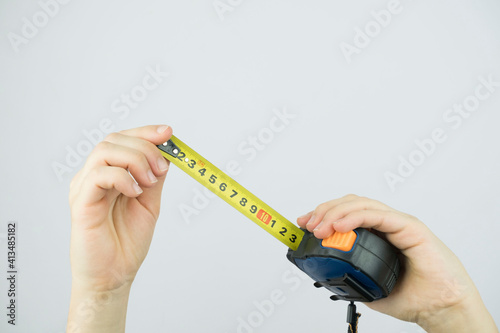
(356, 266)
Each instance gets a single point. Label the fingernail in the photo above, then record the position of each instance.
(162, 164)
(152, 177)
(137, 189)
(311, 220)
(161, 129)
(339, 220)
(318, 226)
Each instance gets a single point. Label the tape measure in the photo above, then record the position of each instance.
(356, 266)
(231, 192)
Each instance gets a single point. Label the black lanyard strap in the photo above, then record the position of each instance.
(352, 318)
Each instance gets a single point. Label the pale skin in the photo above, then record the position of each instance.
(113, 221)
(435, 290)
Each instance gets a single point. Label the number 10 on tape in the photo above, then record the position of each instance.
(230, 191)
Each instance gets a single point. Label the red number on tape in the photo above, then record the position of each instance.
(263, 216)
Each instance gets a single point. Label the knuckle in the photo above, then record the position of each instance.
(112, 136)
(321, 208)
(138, 161)
(93, 173)
(103, 145)
(412, 218)
(149, 149)
(331, 212)
(141, 158)
(364, 200)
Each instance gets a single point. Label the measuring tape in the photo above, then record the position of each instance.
(231, 192)
(356, 266)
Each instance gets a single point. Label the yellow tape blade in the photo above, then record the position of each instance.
(234, 194)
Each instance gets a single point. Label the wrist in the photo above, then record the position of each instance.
(470, 315)
(95, 310)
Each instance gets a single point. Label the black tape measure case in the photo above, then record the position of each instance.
(356, 266)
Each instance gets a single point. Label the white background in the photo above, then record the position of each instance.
(353, 121)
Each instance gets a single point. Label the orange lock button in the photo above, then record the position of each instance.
(340, 241)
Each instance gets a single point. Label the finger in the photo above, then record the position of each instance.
(157, 162)
(335, 213)
(336, 209)
(109, 181)
(402, 230)
(110, 154)
(321, 210)
(302, 220)
(155, 134)
(151, 197)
